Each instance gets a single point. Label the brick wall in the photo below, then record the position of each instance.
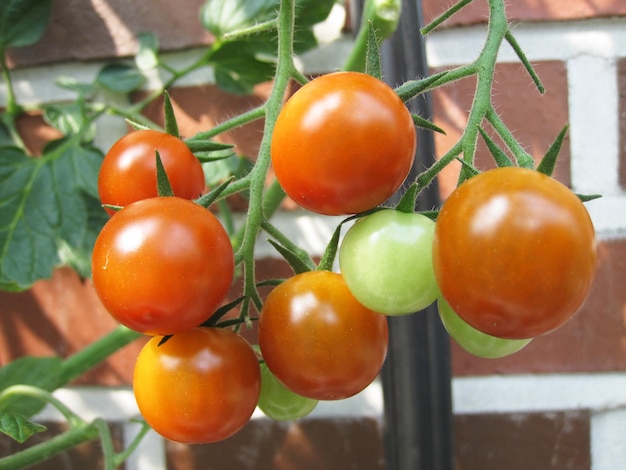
(558, 404)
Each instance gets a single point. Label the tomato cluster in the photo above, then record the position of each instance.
(511, 255)
(162, 266)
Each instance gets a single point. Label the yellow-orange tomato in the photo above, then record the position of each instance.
(514, 252)
(200, 386)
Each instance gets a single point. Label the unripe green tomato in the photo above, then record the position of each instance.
(278, 402)
(475, 341)
(385, 259)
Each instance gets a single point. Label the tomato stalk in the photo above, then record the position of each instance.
(284, 71)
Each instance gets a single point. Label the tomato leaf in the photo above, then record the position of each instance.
(548, 162)
(43, 205)
(18, 427)
(23, 22)
(221, 17)
(120, 78)
(42, 372)
(147, 55)
(497, 153)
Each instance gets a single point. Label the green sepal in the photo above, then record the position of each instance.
(424, 123)
(409, 199)
(294, 261)
(372, 57)
(548, 162)
(164, 188)
(499, 156)
(209, 198)
(171, 126)
(412, 88)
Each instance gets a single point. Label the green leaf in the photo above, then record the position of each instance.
(41, 208)
(548, 162)
(18, 427)
(120, 78)
(240, 65)
(221, 17)
(23, 22)
(147, 54)
(42, 372)
(66, 117)
(71, 84)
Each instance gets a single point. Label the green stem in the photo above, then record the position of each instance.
(258, 176)
(523, 158)
(444, 16)
(237, 121)
(90, 356)
(57, 444)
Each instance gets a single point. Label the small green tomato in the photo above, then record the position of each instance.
(386, 260)
(475, 341)
(278, 402)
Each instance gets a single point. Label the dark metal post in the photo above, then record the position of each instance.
(416, 377)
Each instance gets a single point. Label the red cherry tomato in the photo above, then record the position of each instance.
(514, 252)
(200, 386)
(128, 171)
(318, 340)
(162, 265)
(343, 144)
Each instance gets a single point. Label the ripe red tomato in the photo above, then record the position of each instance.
(162, 265)
(128, 171)
(343, 144)
(514, 252)
(200, 386)
(318, 340)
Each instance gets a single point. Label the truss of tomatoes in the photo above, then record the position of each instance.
(510, 256)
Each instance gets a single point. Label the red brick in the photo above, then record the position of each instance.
(527, 10)
(594, 340)
(534, 119)
(523, 441)
(85, 30)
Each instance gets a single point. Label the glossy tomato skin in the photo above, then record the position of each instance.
(278, 402)
(386, 260)
(128, 171)
(318, 340)
(200, 386)
(514, 252)
(162, 265)
(343, 143)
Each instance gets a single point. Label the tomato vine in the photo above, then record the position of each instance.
(72, 163)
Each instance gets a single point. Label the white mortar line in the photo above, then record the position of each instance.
(594, 124)
(539, 41)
